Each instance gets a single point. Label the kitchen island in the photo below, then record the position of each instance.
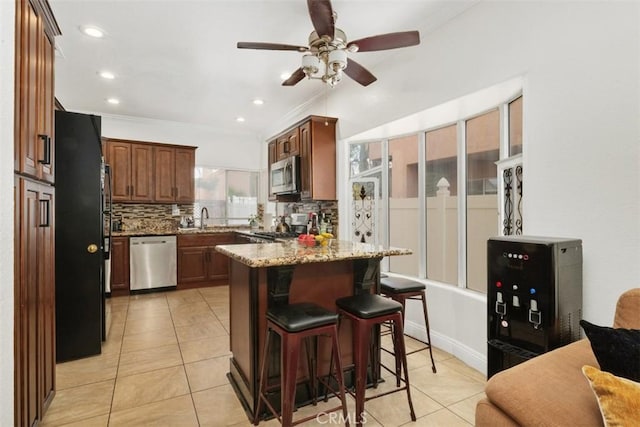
(263, 275)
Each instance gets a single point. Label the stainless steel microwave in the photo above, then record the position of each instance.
(285, 176)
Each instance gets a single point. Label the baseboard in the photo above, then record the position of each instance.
(466, 354)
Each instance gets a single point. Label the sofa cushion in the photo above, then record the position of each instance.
(544, 390)
(628, 310)
(618, 398)
(617, 349)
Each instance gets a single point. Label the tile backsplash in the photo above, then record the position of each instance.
(138, 216)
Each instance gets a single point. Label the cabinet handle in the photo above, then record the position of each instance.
(176, 193)
(46, 140)
(45, 213)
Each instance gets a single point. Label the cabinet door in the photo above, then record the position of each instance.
(318, 159)
(219, 263)
(34, 150)
(119, 265)
(46, 297)
(288, 144)
(26, 99)
(46, 140)
(165, 164)
(184, 175)
(192, 264)
(272, 157)
(293, 140)
(26, 316)
(141, 173)
(119, 157)
(305, 161)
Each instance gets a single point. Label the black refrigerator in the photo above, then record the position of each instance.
(82, 244)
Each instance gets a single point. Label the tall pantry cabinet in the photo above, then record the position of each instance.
(34, 164)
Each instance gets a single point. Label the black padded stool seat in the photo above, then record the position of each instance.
(395, 285)
(299, 317)
(400, 289)
(367, 306)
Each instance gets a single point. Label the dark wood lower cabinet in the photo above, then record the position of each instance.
(119, 266)
(34, 295)
(199, 264)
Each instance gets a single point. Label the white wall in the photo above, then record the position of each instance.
(216, 148)
(7, 16)
(579, 67)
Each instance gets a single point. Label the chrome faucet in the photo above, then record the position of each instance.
(202, 218)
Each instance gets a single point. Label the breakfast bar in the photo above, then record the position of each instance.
(264, 275)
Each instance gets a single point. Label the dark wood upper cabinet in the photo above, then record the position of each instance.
(34, 86)
(272, 155)
(174, 179)
(314, 140)
(150, 172)
(131, 171)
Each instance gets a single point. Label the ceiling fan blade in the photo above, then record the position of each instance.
(358, 73)
(387, 41)
(321, 14)
(295, 77)
(271, 46)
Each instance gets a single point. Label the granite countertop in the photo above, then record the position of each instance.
(291, 252)
(180, 231)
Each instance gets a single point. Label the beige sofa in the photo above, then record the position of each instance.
(550, 390)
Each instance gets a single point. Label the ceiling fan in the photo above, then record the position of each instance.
(326, 56)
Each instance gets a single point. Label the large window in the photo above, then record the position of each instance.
(515, 126)
(439, 191)
(404, 212)
(441, 179)
(483, 150)
(230, 196)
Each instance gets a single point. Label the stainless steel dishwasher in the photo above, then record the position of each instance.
(152, 262)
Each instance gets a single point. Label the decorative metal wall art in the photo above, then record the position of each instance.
(364, 210)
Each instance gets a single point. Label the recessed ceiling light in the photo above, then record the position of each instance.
(92, 31)
(285, 75)
(107, 75)
(114, 101)
(240, 119)
(258, 101)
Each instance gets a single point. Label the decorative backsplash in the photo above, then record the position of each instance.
(142, 216)
(329, 208)
(159, 217)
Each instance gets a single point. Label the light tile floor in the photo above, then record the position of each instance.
(165, 362)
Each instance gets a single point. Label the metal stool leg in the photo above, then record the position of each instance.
(426, 324)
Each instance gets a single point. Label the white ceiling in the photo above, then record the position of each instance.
(176, 60)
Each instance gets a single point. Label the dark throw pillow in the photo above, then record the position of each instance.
(616, 349)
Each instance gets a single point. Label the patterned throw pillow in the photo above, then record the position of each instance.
(616, 349)
(618, 398)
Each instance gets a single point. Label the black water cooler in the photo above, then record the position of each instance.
(534, 297)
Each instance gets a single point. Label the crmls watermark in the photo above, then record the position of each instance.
(337, 418)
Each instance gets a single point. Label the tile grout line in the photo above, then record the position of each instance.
(115, 380)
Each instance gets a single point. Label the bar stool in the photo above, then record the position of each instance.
(366, 311)
(295, 323)
(400, 289)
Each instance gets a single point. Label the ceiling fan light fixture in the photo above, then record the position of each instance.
(310, 64)
(337, 60)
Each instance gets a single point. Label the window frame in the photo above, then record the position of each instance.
(462, 217)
